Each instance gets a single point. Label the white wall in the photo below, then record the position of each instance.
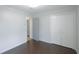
(44, 34)
(77, 29)
(58, 27)
(13, 27)
(28, 27)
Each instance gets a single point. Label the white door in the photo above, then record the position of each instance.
(62, 30)
(35, 28)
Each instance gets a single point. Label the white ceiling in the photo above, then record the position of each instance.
(40, 8)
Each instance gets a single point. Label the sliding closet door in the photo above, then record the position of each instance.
(55, 28)
(62, 29)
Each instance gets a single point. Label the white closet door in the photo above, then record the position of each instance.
(62, 30)
(55, 25)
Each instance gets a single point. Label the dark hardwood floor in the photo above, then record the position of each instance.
(39, 47)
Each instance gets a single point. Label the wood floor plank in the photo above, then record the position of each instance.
(39, 47)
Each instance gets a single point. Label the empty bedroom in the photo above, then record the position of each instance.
(41, 29)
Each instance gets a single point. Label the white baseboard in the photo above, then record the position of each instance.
(44, 41)
(11, 47)
(60, 45)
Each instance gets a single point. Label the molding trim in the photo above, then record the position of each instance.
(15, 45)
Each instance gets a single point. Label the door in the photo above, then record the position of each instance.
(36, 28)
(29, 28)
(62, 30)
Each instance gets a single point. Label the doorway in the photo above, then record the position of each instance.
(29, 28)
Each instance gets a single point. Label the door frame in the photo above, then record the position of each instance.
(29, 19)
